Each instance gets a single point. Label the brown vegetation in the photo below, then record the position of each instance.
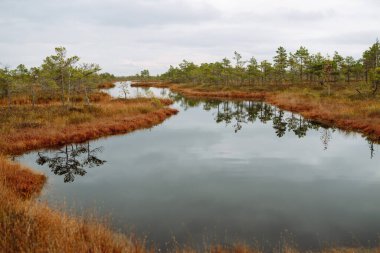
(46, 126)
(106, 85)
(49, 99)
(155, 84)
(359, 115)
(30, 226)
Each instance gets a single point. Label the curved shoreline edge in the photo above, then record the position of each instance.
(327, 111)
(30, 226)
(27, 225)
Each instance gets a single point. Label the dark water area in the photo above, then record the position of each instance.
(224, 172)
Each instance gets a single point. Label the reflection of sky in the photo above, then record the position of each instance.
(199, 180)
(117, 91)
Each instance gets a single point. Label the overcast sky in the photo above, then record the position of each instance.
(125, 36)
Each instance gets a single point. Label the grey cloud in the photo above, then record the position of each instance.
(281, 15)
(307, 16)
(353, 38)
(114, 13)
(125, 36)
(210, 37)
(150, 13)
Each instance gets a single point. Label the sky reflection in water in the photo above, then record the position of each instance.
(225, 171)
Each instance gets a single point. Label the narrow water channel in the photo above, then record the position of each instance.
(222, 172)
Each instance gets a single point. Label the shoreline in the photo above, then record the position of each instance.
(324, 110)
(34, 138)
(31, 225)
(27, 225)
(85, 132)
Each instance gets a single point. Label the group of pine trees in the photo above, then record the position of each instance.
(286, 68)
(59, 77)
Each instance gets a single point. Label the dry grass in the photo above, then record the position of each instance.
(25, 128)
(48, 98)
(106, 85)
(155, 84)
(352, 115)
(23, 182)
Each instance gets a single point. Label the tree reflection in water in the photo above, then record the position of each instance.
(371, 148)
(238, 113)
(71, 160)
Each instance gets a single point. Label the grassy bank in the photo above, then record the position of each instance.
(25, 128)
(106, 85)
(349, 107)
(29, 226)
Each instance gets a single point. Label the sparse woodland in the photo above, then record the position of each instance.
(59, 78)
(293, 68)
(59, 103)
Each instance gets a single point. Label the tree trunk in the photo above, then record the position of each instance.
(375, 87)
(62, 89)
(68, 92)
(9, 95)
(86, 96)
(33, 96)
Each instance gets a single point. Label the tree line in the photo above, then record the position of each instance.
(59, 77)
(297, 67)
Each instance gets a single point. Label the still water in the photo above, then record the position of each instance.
(222, 172)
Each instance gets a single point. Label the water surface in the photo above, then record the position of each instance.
(221, 172)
